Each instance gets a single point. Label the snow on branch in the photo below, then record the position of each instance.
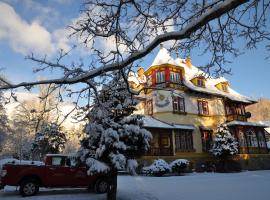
(209, 13)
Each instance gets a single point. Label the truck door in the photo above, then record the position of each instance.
(78, 173)
(57, 172)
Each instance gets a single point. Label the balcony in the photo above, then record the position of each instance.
(236, 117)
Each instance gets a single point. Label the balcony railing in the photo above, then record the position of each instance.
(236, 117)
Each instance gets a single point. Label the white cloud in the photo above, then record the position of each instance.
(42, 13)
(24, 37)
(65, 108)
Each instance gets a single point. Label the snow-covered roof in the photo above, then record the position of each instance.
(151, 122)
(241, 123)
(164, 57)
(267, 123)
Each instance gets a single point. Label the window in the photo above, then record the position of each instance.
(178, 104)
(206, 136)
(203, 107)
(200, 82)
(183, 140)
(149, 80)
(160, 76)
(229, 110)
(224, 87)
(58, 161)
(241, 138)
(252, 139)
(261, 139)
(165, 141)
(175, 77)
(149, 107)
(235, 109)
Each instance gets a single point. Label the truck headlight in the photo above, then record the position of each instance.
(3, 173)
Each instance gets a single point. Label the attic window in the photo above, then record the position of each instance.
(200, 82)
(224, 87)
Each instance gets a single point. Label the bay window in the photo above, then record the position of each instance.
(175, 77)
(160, 77)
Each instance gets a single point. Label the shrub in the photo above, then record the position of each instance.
(157, 168)
(179, 165)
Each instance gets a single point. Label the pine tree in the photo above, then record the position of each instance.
(115, 137)
(50, 139)
(224, 146)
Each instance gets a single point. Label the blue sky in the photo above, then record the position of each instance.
(40, 26)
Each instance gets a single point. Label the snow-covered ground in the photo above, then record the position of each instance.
(250, 185)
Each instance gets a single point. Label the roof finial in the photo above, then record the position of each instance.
(161, 45)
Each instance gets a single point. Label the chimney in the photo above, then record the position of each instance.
(188, 62)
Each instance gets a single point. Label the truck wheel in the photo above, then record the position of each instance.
(29, 187)
(101, 186)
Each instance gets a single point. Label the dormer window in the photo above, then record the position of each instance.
(160, 77)
(222, 86)
(200, 82)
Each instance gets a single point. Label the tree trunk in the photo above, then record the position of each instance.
(111, 194)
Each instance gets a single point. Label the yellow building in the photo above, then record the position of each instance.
(183, 107)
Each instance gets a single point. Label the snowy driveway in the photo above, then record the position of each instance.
(197, 186)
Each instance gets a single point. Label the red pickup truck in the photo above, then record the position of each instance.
(57, 171)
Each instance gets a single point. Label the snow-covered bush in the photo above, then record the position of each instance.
(224, 144)
(157, 168)
(179, 165)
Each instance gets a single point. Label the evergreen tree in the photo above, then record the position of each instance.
(115, 137)
(224, 147)
(50, 139)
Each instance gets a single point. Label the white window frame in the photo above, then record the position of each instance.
(160, 76)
